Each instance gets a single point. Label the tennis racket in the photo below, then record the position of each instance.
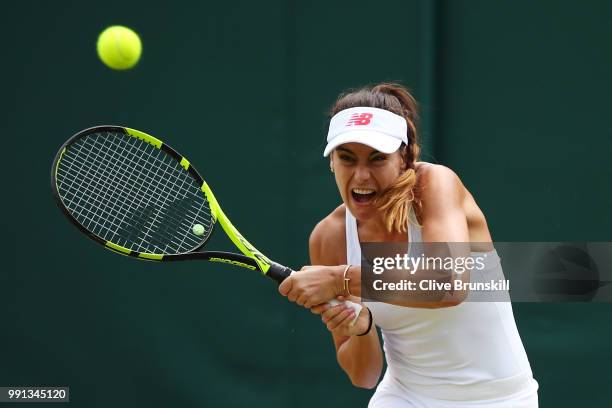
(135, 195)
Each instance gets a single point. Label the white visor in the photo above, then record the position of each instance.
(378, 128)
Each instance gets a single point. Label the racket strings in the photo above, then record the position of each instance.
(146, 208)
(141, 209)
(132, 194)
(104, 196)
(138, 217)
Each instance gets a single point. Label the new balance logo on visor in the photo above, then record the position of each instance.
(359, 119)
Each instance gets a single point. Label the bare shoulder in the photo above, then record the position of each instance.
(429, 173)
(435, 181)
(328, 241)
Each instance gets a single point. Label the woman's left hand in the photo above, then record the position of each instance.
(313, 285)
(340, 319)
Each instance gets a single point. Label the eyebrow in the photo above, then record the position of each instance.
(344, 149)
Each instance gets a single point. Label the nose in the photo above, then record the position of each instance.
(362, 174)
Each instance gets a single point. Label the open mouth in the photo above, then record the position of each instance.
(363, 195)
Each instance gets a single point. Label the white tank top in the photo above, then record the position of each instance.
(472, 350)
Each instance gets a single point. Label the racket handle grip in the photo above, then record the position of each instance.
(278, 272)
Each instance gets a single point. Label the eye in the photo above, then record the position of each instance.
(346, 158)
(379, 158)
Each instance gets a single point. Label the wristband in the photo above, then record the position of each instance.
(369, 324)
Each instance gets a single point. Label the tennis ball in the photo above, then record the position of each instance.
(119, 47)
(198, 229)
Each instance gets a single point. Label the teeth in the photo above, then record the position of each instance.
(363, 190)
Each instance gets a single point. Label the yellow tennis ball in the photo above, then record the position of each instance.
(119, 47)
(198, 229)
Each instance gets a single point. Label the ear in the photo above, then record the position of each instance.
(403, 164)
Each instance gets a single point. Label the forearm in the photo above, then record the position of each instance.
(361, 359)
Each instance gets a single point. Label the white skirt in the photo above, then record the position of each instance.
(391, 394)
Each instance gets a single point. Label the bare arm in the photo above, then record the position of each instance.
(444, 221)
(443, 216)
(359, 356)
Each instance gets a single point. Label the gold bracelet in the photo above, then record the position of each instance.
(346, 281)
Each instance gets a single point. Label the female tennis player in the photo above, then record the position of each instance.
(445, 353)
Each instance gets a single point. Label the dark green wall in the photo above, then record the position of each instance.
(524, 105)
(515, 99)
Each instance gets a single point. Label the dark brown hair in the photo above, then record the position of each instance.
(395, 98)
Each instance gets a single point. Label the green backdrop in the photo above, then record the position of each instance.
(515, 98)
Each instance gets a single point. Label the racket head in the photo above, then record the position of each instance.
(131, 193)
